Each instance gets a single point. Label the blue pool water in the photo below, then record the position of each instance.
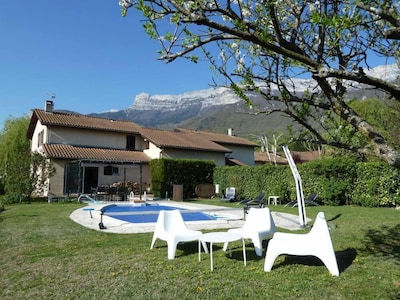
(149, 213)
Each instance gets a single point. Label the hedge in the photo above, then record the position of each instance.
(338, 181)
(166, 173)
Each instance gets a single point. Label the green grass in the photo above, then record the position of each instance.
(45, 255)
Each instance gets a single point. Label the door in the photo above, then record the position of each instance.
(72, 179)
(91, 178)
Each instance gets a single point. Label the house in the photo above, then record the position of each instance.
(92, 152)
(88, 152)
(240, 148)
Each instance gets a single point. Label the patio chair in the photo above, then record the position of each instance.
(256, 202)
(309, 201)
(230, 195)
(171, 228)
(134, 200)
(315, 243)
(259, 224)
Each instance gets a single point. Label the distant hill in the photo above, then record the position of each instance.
(218, 109)
(217, 118)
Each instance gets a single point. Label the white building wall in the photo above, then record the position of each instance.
(35, 138)
(81, 137)
(126, 173)
(244, 154)
(153, 152)
(217, 157)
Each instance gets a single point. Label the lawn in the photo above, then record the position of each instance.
(45, 255)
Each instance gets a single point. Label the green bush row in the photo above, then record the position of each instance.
(165, 173)
(338, 181)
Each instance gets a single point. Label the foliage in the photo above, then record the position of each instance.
(250, 181)
(45, 255)
(331, 178)
(22, 172)
(166, 173)
(14, 157)
(258, 47)
(376, 185)
(1, 185)
(384, 115)
(337, 181)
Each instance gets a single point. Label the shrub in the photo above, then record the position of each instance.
(376, 184)
(168, 172)
(14, 198)
(250, 181)
(331, 178)
(338, 181)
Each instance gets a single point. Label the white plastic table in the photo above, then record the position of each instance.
(220, 237)
(273, 199)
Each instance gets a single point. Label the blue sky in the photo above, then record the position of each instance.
(86, 54)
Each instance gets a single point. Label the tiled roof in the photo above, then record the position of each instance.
(182, 140)
(304, 156)
(219, 137)
(94, 154)
(298, 157)
(80, 121)
(235, 162)
(262, 157)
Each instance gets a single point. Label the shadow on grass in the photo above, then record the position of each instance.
(344, 259)
(334, 218)
(190, 248)
(383, 241)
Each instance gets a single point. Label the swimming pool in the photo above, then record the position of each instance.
(148, 213)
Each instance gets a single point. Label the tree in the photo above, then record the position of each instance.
(384, 115)
(21, 171)
(255, 45)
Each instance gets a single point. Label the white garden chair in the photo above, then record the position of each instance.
(171, 228)
(315, 243)
(258, 226)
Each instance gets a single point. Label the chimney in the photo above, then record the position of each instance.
(230, 131)
(49, 106)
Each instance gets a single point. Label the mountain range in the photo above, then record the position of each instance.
(217, 109)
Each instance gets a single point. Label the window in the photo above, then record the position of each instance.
(130, 142)
(110, 170)
(40, 138)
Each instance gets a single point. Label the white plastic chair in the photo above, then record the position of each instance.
(315, 243)
(230, 195)
(258, 225)
(171, 228)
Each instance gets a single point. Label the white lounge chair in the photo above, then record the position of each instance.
(137, 201)
(171, 228)
(315, 243)
(258, 225)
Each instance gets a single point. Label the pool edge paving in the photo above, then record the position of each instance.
(90, 217)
